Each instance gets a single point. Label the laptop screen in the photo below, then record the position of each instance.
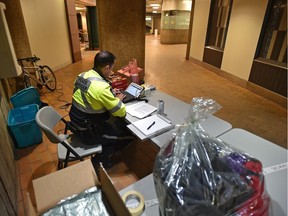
(134, 89)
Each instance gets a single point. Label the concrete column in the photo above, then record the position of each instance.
(122, 29)
(15, 20)
(19, 36)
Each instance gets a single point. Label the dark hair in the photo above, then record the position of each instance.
(104, 58)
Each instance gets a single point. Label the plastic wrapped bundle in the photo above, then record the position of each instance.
(195, 174)
(89, 202)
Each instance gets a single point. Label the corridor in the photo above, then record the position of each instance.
(167, 69)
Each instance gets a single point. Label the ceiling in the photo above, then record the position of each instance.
(152, 6)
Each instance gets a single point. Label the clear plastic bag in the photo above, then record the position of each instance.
(195, 174)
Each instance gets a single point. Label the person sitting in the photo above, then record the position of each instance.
(98, 110)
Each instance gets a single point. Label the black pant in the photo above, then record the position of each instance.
(110, 132)
(115, 137)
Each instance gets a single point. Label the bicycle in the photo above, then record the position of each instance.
(43, 74)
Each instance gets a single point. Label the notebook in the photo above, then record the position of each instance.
(132, 92)
(150, 126)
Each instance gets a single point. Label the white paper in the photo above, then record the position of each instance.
(274, 168)
(140, 109)
(138, 133)
(159, 126)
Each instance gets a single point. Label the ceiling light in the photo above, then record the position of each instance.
(154, 11)
(155, 5)
(80, 8)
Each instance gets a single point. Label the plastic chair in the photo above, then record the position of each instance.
(70, 147)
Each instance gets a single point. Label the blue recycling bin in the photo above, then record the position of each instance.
(23, 126)
(26, 96)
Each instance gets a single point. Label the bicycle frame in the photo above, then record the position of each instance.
(36, 69)
(41, 74)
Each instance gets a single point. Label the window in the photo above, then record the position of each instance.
(269, 68)
(218, 23)
(220, 11)
(176, 19)
(273, 46)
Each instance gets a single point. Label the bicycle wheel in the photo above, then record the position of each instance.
(48, 77)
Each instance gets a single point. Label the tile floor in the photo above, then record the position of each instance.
(166, 68)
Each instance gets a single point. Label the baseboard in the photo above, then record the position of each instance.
(272, 96)
(59, 66)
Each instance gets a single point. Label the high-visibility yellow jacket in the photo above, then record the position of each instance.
(93, 95)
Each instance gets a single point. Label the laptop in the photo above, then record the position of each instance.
(132, 92)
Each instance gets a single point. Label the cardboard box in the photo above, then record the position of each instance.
(126, 73)
(50, 189)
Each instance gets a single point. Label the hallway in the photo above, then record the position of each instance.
(167, 69)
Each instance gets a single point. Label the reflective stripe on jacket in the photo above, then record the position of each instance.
(93, 95)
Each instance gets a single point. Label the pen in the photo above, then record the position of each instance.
(151, 125)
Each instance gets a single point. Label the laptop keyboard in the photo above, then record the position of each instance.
(128, 97)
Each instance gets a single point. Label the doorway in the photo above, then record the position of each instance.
(83, 31)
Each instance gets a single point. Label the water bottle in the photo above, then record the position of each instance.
(160, 107)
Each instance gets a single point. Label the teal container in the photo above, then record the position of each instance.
(23, 126)
(26, 96)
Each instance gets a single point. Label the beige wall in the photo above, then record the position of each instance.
(242, 37)
(200, 22)
(47, 29)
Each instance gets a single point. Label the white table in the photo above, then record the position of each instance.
(276, 185)
(177, 111)
(270, 155)
(267, 152)
(146, 187)
(278, 194)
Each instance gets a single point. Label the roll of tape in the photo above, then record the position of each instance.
(130, 195)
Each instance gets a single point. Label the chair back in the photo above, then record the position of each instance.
(47, 118)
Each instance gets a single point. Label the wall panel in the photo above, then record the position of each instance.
(244, 29)
(48, 33)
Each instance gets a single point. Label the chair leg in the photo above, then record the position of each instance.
(72, 151)
(65, 163)
(60, 165)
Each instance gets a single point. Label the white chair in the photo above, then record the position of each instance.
(70, 147)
